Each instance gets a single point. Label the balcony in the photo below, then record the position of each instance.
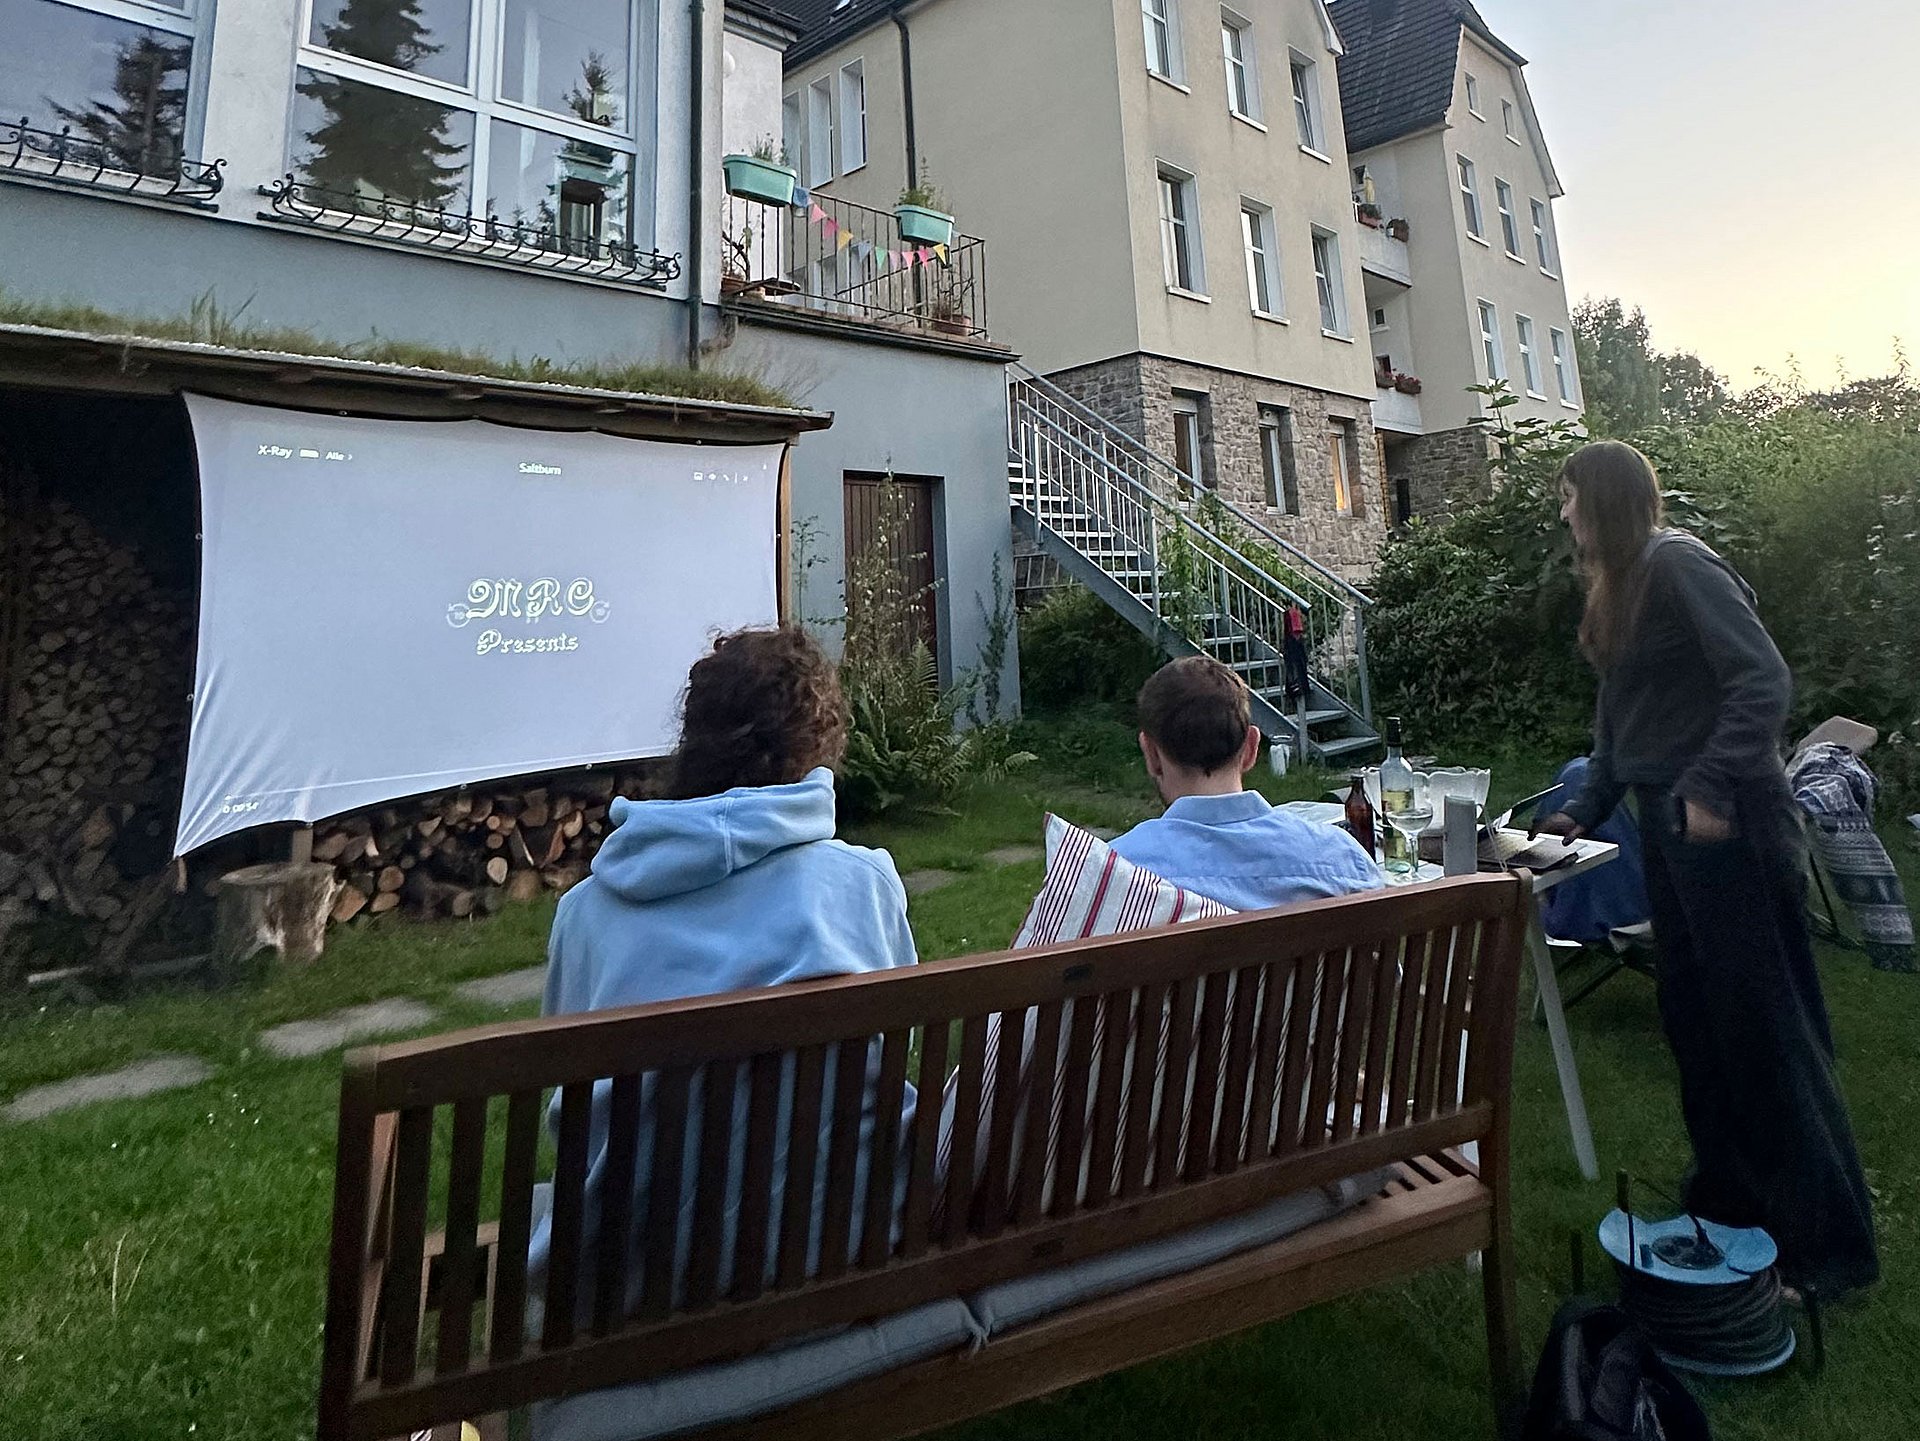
(1383, 252)
(831, 257)
(155, 169)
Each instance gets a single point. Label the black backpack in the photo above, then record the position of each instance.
(1600, 1379)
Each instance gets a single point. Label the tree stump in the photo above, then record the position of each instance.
(281, 907)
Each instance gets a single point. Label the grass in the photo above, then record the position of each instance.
(163, 1258)
(208, 323)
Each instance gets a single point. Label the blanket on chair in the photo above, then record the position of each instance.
(1837, 792)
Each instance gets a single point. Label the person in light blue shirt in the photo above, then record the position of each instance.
(1217, 838)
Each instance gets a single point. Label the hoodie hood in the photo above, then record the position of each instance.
(668, 848)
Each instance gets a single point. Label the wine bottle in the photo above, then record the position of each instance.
(1396, 794)
(1360, 815)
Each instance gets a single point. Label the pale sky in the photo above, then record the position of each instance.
(1748, 171)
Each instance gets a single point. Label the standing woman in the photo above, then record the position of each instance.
(1693, 699)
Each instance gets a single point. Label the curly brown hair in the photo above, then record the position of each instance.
(762, 708)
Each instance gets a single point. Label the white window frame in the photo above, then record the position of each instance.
(1343, 443)
(793, 130)
(1507, 114)
(1243, 69)
(1263, 260)
(1470, 198)
(820, 152)
(1473, 97)
(1492, 351)
(1543, 239)
(1377, 322)
(853, 116)
(1529, 356)
(1563, 367)
(1509, 221)
(1277, 465)
(1303, 78)
(1186, 418)
(1329, 287)
(1160, 27)
(482, 96)
(192, 22)
(1179, 194)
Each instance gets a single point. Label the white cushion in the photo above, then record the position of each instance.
(731, 1391)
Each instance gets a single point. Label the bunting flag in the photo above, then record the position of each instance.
(941, 251)
(843, 240)
(802, 195)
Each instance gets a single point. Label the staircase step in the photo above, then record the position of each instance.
(1346, 746)
(1314, 717)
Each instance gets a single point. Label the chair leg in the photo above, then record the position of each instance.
(1503, 1336)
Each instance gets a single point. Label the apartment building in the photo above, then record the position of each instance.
(1461, 258)
(1165, 190)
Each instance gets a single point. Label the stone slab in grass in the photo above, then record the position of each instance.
(355, 1023)
(1014, 855)
(921, 883)
(512, 988)
(142, 1078)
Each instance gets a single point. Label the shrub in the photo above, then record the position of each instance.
(1074, 649)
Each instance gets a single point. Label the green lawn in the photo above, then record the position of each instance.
(161, 1260)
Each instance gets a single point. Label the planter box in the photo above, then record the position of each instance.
(923, 226)
(751, 178)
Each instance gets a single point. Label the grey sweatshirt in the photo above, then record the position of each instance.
(1698, 699)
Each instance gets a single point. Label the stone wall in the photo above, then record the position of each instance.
(1442, 470)
(1136, 393)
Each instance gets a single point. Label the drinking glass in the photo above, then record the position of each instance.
(1412, 820)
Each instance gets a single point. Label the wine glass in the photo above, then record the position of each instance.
(1410, 821)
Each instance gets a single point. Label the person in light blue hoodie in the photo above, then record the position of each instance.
(1216, 838)
(735, 882)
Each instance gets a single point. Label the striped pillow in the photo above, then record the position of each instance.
(1090, 891)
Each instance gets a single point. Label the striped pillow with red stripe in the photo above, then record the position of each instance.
(1090, 891)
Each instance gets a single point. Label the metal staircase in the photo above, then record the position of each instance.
(1194, 576)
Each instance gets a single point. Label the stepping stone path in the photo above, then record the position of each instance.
(511, 989)
(142, 1078)
(1014, 855)
(328, 1033)
(921, 883)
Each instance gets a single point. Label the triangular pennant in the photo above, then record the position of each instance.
(815, 213)
(802, 195)
(941, 251)
(846, 238)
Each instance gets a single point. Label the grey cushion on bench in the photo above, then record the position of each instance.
(1000, 1308)
(753, 1385)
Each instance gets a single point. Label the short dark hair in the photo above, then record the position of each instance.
(763, 708)
(1196, 710)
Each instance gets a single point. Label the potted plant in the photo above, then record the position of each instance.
(950, 303)
(1383, 372)
(1407, 384)
(736, 260)
(1370, 215)
(763, 174)
(1399, 229)
(922, 213)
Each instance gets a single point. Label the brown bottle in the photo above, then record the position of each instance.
(1360, 815)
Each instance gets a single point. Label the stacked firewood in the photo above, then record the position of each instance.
(472, 852)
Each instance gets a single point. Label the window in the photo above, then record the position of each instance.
(1563, 367)
(1509, 226)
(1473, 98)
(853, 117)
(1470, 200)
(1340, 464)
(1327, 280)
(1543, 238)
(119, 84)
(1189, 433)
(820, 132)
(1263, 273)
(1276, 459)
(1529, 358)
(1162, 27)
(793, 131)
(1506, 121)
(1306, 102)
(1243, 74)
(1490, 342)
(1179, 237)
(391, 104)
(1380, 317)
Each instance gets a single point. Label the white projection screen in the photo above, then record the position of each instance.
(389, 607)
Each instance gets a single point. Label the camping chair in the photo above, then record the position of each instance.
(1858, 738)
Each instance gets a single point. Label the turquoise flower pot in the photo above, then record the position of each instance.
(752, 178)
(923, 226)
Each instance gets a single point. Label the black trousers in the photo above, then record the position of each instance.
(1741, 1004)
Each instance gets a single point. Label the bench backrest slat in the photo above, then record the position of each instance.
(1189, 1073)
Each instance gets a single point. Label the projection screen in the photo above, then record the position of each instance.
(394, 607)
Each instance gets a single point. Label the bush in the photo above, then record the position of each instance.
(1074, 650)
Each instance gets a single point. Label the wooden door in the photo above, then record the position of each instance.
(910, 546)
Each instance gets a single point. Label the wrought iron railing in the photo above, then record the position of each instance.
(487, 237)
(1226, 585)
(840, 258)
(158, 170)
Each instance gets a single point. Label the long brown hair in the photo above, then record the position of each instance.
(1616, 493)
(763, 708)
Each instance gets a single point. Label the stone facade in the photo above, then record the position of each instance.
(1136, 393)
(1439, 471)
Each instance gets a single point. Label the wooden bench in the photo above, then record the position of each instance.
(1409, 997)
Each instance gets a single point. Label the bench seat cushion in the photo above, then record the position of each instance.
(998, 1309)
(753, 1385)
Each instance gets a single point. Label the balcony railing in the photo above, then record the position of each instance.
(484, 237)
(156, 169)
(835, 257)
